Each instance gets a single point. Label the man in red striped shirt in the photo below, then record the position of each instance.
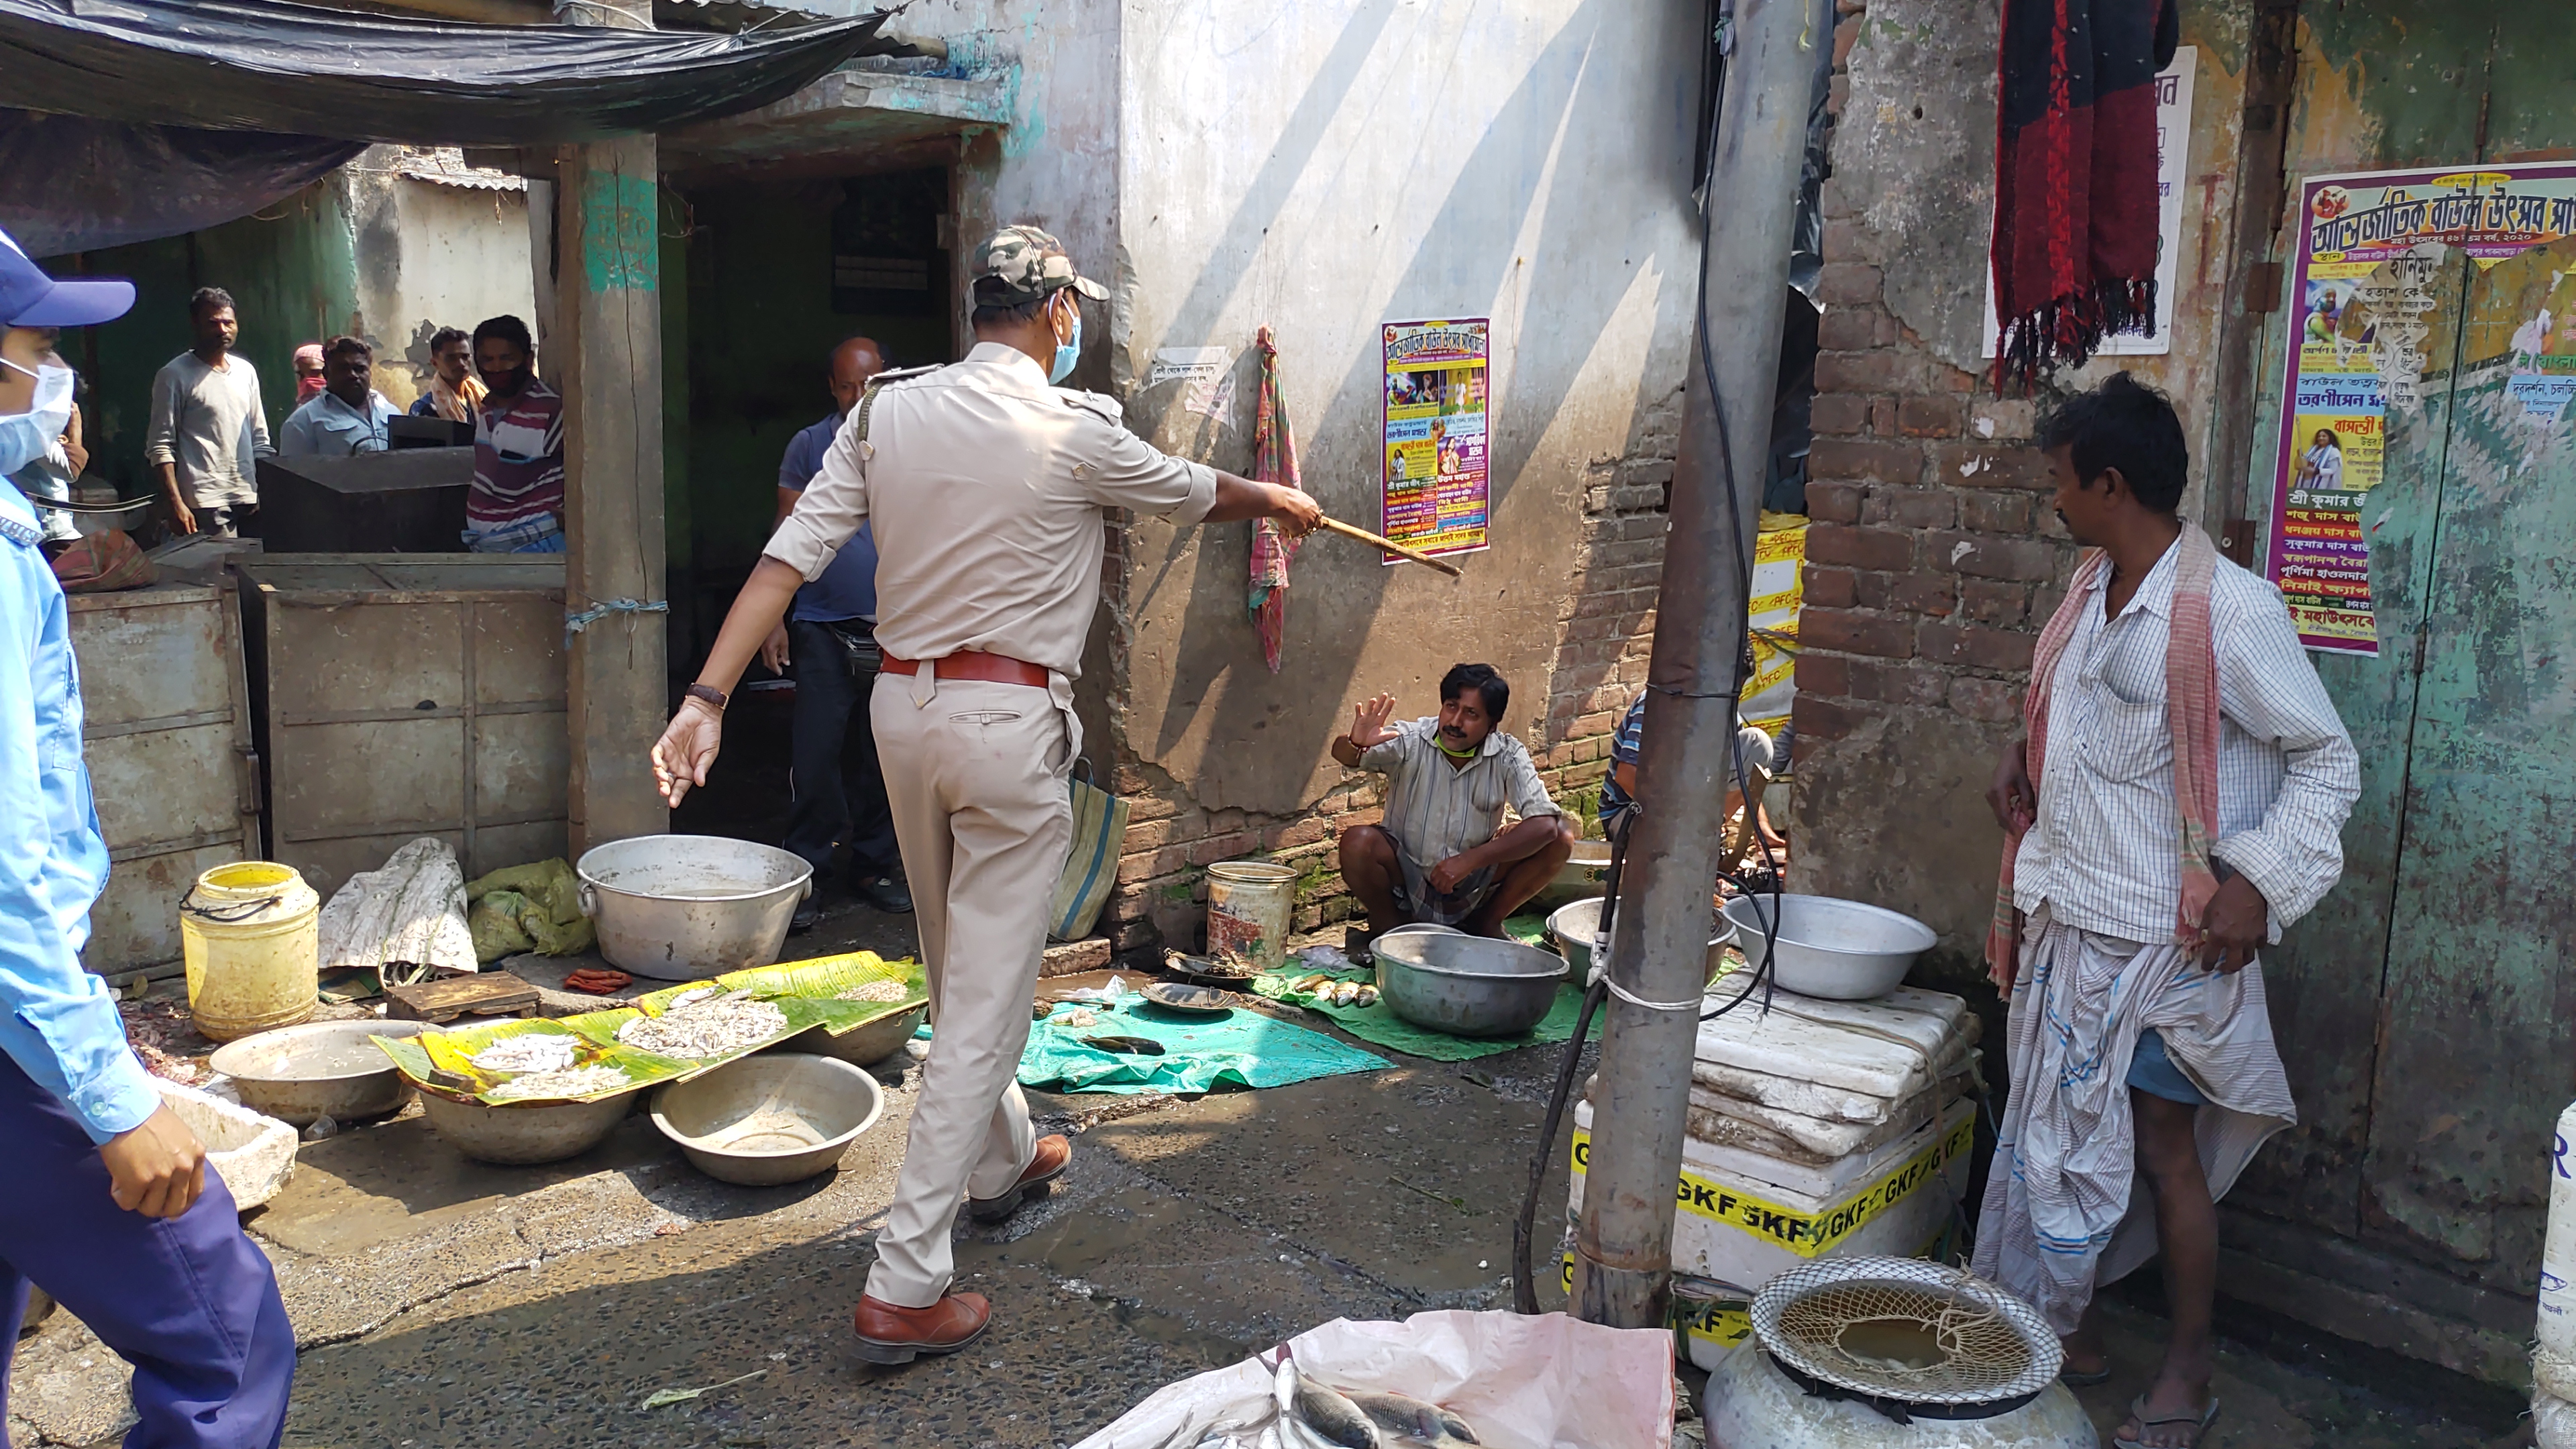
(516, 504)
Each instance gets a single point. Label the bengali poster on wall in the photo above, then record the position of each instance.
(2364, 286)
(1437, 388)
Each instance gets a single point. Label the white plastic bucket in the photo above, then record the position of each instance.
(1250, 904)
(251, 936)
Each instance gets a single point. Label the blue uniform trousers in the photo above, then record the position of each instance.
(188, 1300)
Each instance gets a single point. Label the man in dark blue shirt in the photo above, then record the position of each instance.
(830, 639)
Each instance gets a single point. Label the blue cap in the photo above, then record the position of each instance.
(29, 298)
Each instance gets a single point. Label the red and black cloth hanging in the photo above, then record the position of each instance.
(2075, 177)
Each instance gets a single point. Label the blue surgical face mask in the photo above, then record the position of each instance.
(28, 436)
(1066, 353)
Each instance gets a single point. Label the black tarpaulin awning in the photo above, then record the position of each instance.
(301, 70)
(71, 184)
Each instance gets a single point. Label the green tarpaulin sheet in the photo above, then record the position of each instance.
(1242, 1048)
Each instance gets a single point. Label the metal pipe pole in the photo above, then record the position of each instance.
(1623, 1247)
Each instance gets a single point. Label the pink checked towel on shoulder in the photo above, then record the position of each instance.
(1274, 460)
(2191, 706)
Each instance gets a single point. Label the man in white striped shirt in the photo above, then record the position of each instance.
(1440, 853)
(2138, 1040)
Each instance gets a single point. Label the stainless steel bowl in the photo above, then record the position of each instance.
(525, 1133)
(1829, 947)
(860, 1046)
(767, 1120)
(301, 1074)
(1466, 985)
(1572, 928)
(686, 907)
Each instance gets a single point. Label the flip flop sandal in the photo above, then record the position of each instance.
(2074, 1379)
(2200, 1429)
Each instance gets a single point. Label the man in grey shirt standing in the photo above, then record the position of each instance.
(207, 426)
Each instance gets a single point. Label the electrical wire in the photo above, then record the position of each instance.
(1524, 1286)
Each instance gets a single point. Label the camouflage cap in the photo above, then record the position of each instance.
(1021, 264)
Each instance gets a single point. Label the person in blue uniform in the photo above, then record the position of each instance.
(109, 1206)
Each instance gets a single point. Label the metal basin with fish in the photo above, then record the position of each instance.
(860, 1046)
(1466, 985)
(684, 907)
(767, 1120)
(301, 1074)
(523, 1135)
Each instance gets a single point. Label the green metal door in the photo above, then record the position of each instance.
(2423, 1009)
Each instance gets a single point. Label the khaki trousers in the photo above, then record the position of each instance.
(975, 775)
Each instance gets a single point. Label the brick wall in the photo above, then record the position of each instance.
(1605, 630)
(1933, 558)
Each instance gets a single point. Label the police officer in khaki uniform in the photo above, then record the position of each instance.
(983, 486)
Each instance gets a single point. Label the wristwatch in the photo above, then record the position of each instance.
(707, 692)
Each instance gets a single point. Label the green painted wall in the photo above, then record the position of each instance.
(292, 270)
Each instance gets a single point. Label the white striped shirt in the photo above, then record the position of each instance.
(2106, 853)
(1435, 809)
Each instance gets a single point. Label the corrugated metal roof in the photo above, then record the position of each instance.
(446, 166)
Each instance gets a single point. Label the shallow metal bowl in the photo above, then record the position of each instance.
(686, 907)
(1573, 927)
(860, 1046)
(520, 1135)
(301, 1074)
(1466, 985)
(767, 1120)
(1829, 947)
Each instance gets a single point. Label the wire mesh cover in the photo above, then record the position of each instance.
(1906, 1330)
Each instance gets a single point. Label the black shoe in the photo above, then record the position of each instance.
(883, 892)
(806, 915)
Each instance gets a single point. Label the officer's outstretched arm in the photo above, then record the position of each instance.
(688, 744)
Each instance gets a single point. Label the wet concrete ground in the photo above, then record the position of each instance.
(442, 1303)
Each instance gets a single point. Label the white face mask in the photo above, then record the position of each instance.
(28, 436)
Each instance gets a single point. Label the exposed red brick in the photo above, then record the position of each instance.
(1987, 601)
(1995, 512)
(1856, 633)
(1873, 371)
(1846, 284)
(1874, 590)
(1834, 502)
(1988, 557)
(1975, 645)
(1932, 417)
(1817, 718)
(1911, 508)
(1923, 594)
(1823, 674)
(1851, 459)
(1991, 465)
(1866, 548)
(1986, 699)
(1840, 412)
(1828, 588)
(1224, 847)
(1882, 416)
(1847, 329)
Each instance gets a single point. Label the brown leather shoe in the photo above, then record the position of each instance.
(1054, 1154)
(888, 1334)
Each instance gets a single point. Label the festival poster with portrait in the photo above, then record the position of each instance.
(2364, 286)
(1437, 377)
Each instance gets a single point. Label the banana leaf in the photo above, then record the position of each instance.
(805, 993)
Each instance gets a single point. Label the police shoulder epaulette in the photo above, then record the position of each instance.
(879, 383)
(1096, 402)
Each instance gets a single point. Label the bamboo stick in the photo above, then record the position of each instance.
(1391, 546)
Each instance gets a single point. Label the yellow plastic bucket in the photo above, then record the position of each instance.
(1250, 903)
(251, 932)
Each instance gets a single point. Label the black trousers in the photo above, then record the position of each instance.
(835, 805)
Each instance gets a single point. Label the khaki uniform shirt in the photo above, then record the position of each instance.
(983, 487)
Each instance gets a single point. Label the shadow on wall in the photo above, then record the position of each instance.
(1569, 105)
